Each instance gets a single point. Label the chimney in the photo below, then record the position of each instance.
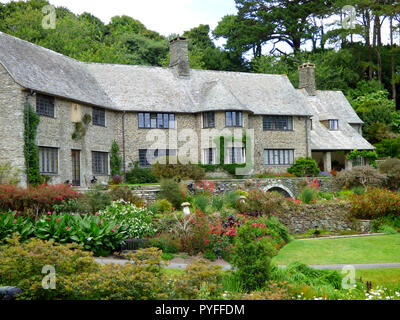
(179, 59)
(307, 78)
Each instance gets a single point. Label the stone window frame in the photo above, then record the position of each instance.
(278, 123)
(45, 105)
(206, 119)
(99, 117)
(145, 120)
(276, 154)
(238, 118)
(332, 126)
(44, 154)
(97, 162)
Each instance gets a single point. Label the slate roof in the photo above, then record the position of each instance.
(142, 88)
(333, 105)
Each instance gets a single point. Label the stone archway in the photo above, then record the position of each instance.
(281, 189)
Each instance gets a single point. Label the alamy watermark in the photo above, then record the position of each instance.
(49, 21)
(349, 13)
(49, 280)
(349, 279)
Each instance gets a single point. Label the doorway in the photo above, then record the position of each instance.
(76, 168)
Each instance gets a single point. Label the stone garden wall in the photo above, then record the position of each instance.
(324, 216)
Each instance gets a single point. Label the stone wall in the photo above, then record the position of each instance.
(57, 133)
(326, 216)
(12, 123)
(298, 139)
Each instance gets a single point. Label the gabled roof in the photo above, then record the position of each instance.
(43, 70)
(142, 88)
(329, 105)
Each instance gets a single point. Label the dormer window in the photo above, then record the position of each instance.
(333, 125)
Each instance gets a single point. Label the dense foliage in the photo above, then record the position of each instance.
(34, 200)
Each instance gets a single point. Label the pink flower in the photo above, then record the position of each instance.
(58, 220)
(15, 221)
(67, 228)
(117, 226)
(113, 229)
(49, 213)
(96, 214)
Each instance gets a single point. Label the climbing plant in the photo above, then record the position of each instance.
(115, 159)
(371, 156)
(31, 122)
(81, 127)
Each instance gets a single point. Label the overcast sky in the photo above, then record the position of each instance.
(163, 16)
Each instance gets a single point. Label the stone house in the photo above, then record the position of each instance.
(152, 111)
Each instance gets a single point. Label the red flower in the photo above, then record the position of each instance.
(15, 221)
(67, 228)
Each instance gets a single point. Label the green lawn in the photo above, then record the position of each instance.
(388, 277)
(371, 249)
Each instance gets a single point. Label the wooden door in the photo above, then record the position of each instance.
(76, 168)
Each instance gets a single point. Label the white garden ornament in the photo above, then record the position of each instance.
(186, 209)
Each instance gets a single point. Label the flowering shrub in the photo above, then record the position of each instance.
(137, 220)
(34, 200)
(375, 203)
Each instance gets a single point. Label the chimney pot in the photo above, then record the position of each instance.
(307, 78)
(179, 57)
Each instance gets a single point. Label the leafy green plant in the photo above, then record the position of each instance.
(8, 174)
(307, 195)
(31, 123)
(387, 229)
(252, 256)
(138, 221)
(201, 202)
(370, 156)
(171, 168)
(137, 175)
(210, 255)
(217, 203)
(163, 206)
(173, 192)
(115, 159)
(304, 167)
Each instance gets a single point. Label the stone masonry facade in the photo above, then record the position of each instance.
(188, 135)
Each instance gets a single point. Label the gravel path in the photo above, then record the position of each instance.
(226, 266)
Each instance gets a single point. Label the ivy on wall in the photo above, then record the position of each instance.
(371, 156)
(228, 167)
(31, 122)
(81, 127)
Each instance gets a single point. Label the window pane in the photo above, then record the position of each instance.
(281, 157)
(239, 122)
(48, 160)
(233, 118)
(228, 119)
(99, 117)
(165, 120)
(172, 121)
(147, 120)
(153, 120)
(45, 105)
(141, 120)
